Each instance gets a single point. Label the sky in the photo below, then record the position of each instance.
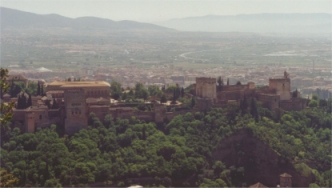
(162, 10)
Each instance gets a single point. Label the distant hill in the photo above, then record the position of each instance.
(258, 23)
(16, 19)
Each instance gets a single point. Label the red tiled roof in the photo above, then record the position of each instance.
(285, 175)
(258, 184)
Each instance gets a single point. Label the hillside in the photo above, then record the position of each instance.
(218, 148)
(15, 19)
(258, 23)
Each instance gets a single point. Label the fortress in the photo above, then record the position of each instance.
(276, 95)
(69, 104)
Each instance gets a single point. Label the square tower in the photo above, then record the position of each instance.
(29, 122)
(75, 110)
(281, 86)
(206, 87)
(285, 180)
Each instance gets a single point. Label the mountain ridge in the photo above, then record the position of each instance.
(258, 23)
(16, 19)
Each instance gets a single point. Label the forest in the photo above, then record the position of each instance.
(179, 153)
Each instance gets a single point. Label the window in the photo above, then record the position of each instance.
(40, 117)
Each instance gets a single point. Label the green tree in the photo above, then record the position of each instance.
(29, 103)
(116, 90)
(7, 179)
(314, 97)
(5, 108)
(154, 90)
(254, 109)
(193, 102)
(313, 103)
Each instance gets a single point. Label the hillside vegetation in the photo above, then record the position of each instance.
(187, 151)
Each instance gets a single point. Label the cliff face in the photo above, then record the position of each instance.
(260, 162)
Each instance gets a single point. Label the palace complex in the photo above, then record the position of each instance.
(69, 103)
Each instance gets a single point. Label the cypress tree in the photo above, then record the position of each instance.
(24, 101)
(182, 92)
(253, 109)
(42, 90)
(18, 102)
(55, 105)
(12, 94)
(29, 101)
(193, 102)
(174, 96)
(228, 81)
(38, 89)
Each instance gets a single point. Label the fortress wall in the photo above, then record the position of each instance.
(294, 104)
(230, 95)
(100, 111)
(234, 87)
(269, 101)
(249, 93)
(159, 112)
(18, 115)
(146, 116)
(171, 115)
(203, 104)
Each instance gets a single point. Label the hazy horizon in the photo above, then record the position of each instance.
(157, 11)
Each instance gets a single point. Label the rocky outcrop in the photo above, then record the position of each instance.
(260, 162)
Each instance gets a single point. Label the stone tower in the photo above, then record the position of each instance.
(75, 110)
(282, 86)
(29, 122)
(206, 87)
(285, 180)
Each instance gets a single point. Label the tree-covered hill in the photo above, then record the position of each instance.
(190, 150)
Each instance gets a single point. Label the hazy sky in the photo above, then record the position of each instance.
(160, 10)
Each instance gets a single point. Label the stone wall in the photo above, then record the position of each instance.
(203, 104)
(170, 115)
(234, 87)
(230, 95)
(268, 100)
(159, 113)
(100, 110)
(295, 104)
(145, 116)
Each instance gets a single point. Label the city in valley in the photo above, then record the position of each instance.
(209, 101)
(168, 58)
